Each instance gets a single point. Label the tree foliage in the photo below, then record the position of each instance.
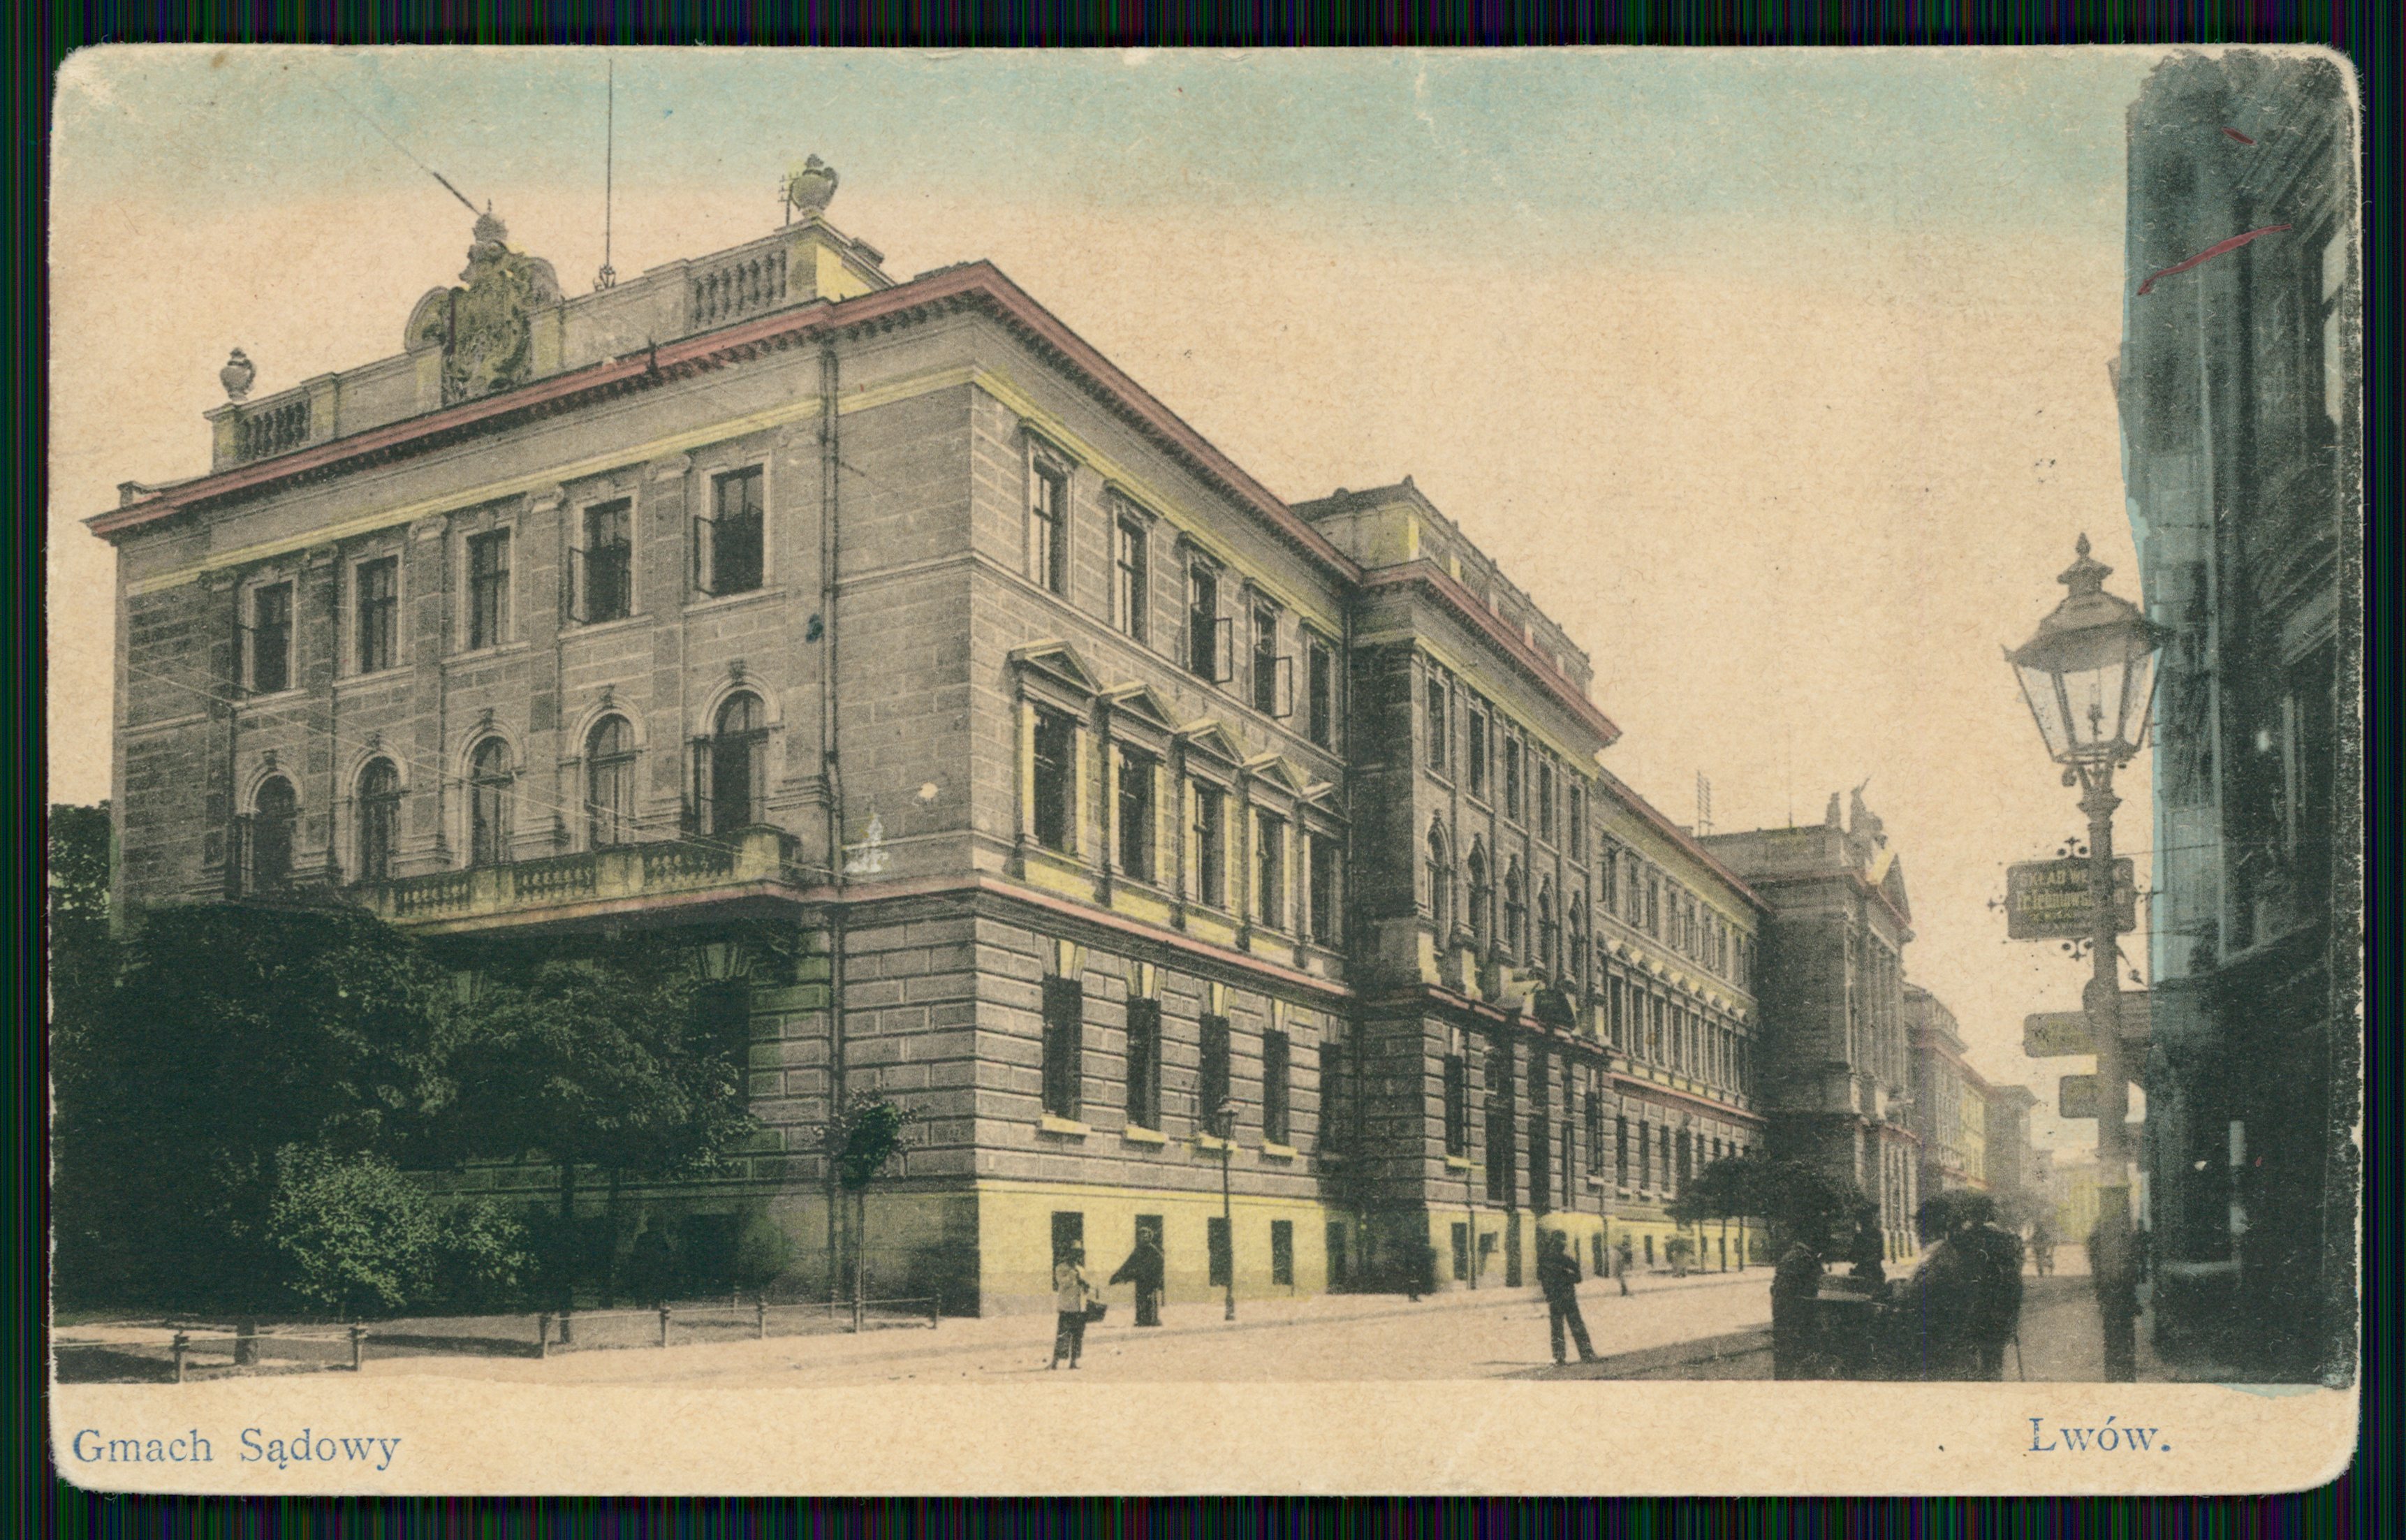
(865, 1134)
(356, 1234)
(1796, 1198)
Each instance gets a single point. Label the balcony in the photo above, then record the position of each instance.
(565, 887)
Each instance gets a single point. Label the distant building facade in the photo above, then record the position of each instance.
(2011, 1162)
(2242, 433)
(1000, 744)
(1950, 1099)
(1837, 1086)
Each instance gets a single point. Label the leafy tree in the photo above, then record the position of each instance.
(861, 1136)
(594, 1063)
(1791, 1195)
(229, 1033)
(356, 1233)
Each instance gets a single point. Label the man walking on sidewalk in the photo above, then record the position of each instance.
(1558, 1276)
(1624, 1257)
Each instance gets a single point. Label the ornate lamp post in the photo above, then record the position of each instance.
(2088, 675)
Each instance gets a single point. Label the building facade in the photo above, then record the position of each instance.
(2240, 431)
(999, 744)
(1837, 1086)
(2012, 1163)
(1949, 1100)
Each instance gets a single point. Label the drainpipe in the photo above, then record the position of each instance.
(830, 472)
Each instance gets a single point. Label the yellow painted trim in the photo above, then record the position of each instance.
(1136, 1135)
(1141, 906)
(1041, 871)
(1120, 1190)
(1016, 401)
(863, 399)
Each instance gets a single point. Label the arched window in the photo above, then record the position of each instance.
(1516, 909)
(731, 766)
(1482, 895)
(379, 805)
(610, 783)
(1576, 956)
(489, 779)
(273, 813)
(1548, 932)
(1441, 885)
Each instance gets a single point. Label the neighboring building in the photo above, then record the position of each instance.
(1950, 1099)
(2242, 429)
(2010, 1158)
(1001, 744)
(1834, 1088)
(2072, 1199)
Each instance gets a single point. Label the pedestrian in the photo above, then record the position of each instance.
(1996, 1317)
(1420, 1270)
(1795, 1292)
(1624, 1257)
(1558, 1274)
(1071, 1290)
(649, 1266)
(2041, 1248)
(1144, 1268)
(1867, 1258)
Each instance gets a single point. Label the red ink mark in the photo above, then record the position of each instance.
(2240, 138)
(2216, 249)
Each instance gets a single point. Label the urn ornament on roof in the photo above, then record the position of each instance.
(810, 187)
(236, 376)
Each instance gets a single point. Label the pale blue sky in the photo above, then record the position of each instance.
(1778, 377)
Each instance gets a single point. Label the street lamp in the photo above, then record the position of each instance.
(1223, 1124)
(2088, 675)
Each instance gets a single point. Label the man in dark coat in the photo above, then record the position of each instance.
(1795, 1285)
(1144, 1268)
(1936, 1321)
(1624, 1257)
(1558, 1274)
(1997, 1313)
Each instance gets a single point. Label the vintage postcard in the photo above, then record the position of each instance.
(1573, 771)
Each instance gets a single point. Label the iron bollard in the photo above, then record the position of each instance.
(664, 1325)
(359, 1340)
(760, 1316)
(567, 1331)
(543, 1335)
(182, 1345)
(246, 1342)
(935, 1309)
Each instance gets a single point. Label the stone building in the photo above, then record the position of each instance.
(1838, 1077)
(2241, 435)
(995, 742)
(1950, 1099)
(2011, 1160)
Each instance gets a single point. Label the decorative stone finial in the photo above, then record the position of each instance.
(808, 186)
(2086, 574)
(490, 229)
(236, 376)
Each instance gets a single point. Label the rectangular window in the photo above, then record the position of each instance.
(1545, 800)
(1620, 1150)
(1216, 1233)
(730, 551)
(1324, 890)
(1283, 1253)
(1499, 1128)
(1645, 1154)
(1136, 815)
(1577, 840)
(1662, 1143)
(271, 638)
(1608, 874)
(1434, 723)
(1273, 696)
(1320, 689)
(488, 589)
(1478, 751)
(1457, 1104)
(375, 588)
(1131, 592)
(1213, 1083)
(1144, 1064)
(1068, 1236)
(1207, 633)
(1338, 1109)
(1460, 1252)
(1276, 1088)
(1065, 1019)
(1654, 908)
(1594, 1134)
(1056, 774)
(1211, 846)
(1048, 526)
(1512, 778)
(600, 586)
(1269, 870)
(1617, 1004)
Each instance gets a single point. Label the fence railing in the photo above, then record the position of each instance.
(732, 1320)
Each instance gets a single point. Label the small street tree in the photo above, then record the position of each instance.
(1789, 1195)
(861, 1136)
